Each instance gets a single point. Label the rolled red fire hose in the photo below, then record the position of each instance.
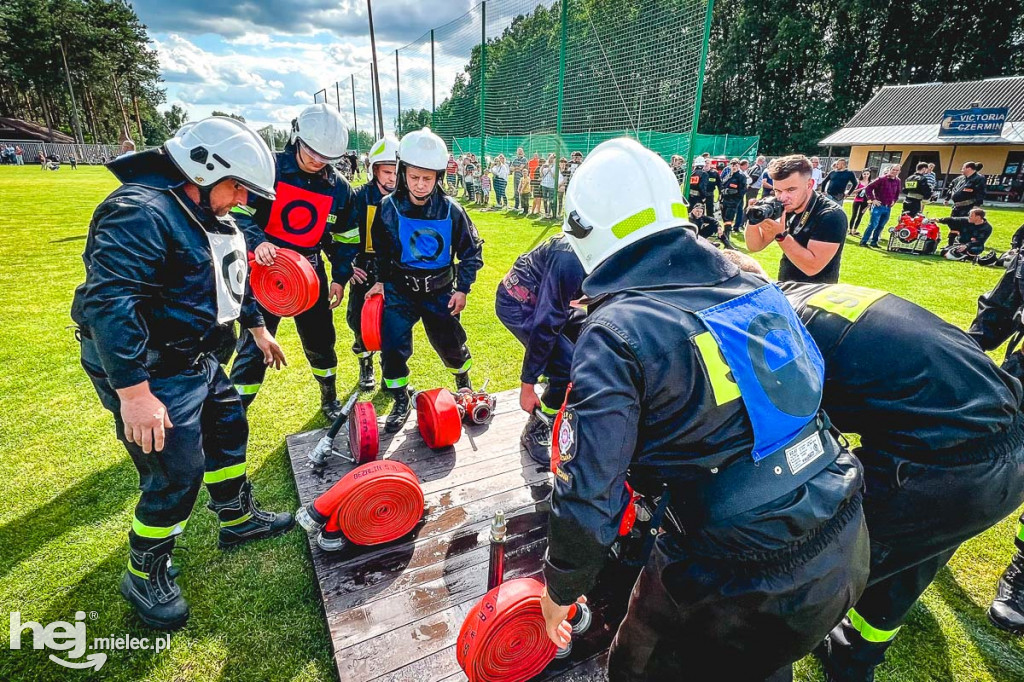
(438, 418)
(363, 437)
(370, 321)
(503, 637)
(287, 288)
(374, 503)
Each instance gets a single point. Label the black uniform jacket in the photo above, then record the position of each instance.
(969, 232)
(467, 246)
(365, 202)
(149, 273)
(554, 277)
(970, 189)
(911, 384)
(999, 310)
(339, 241)
(644, 400)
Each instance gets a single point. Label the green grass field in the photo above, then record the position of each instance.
(69, 488)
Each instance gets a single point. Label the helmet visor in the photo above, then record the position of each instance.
(258, 191)
(316, 156)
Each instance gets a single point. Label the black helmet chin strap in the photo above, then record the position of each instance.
(204, 198)
(401, 185)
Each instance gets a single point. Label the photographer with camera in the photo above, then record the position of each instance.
(809, 229)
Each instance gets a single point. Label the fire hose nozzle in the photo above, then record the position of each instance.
(498, 527)
(319, 454)
(580, 620)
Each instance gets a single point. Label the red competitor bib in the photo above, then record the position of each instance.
(298, 216)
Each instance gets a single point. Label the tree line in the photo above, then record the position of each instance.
(789, 73)
(794, 73)
(114, 72)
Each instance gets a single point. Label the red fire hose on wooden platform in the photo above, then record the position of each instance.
(373, 504)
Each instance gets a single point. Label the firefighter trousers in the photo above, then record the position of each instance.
(918, 515)
(746, 621)
(402, 310)
(206, 444)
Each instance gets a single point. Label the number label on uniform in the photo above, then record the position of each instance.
(845, 300)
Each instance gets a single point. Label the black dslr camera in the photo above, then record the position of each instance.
(768, 208)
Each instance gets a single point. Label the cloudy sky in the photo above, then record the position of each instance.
(264, 59)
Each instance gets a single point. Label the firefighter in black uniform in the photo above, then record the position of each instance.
(917, 190)
(310, 216)
(418, 232)
(365, 202)
(534, 302)
(942, 444)
(968, 190)
(972, 230)
(165, 281)
(765, 546)
(714, 183)
(999, 319)
(699, 189)
(708, 227)
(733, 192)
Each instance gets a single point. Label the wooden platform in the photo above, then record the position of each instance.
(394, 611)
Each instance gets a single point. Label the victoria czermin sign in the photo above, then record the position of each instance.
(975, 121)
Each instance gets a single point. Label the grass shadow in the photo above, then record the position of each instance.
(89, 501)
(76, 238)
(996, 649)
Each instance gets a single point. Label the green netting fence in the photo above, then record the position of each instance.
(665, 144)
(549, 76)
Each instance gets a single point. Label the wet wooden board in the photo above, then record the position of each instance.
(394, 611)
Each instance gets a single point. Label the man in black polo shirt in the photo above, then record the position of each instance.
(810, 232)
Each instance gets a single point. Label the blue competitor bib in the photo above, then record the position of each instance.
(426, 244)
(774, 360)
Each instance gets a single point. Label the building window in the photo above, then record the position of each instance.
(1011, 181)
(877, 159)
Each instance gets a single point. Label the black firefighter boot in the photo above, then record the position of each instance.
(242, 520)
(462, 381)
(847, 657)
(329, 404)
(366, 379)
(149, 586)
(536, 438)
(1007, 610)
(400, 410)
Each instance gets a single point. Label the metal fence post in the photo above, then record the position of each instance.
(398, 94)
(373, 100)
(561, 71)
(483, 77)
(355, 119)
(433, 85)
(700, 85)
